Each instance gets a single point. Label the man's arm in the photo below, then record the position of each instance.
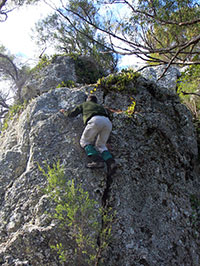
(118, 111)
(74, 112)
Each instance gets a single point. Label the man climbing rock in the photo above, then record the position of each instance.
(96, 133)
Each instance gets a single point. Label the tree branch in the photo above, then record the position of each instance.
(3, 2)
(142, 48)
(162, 21)
(190, 93)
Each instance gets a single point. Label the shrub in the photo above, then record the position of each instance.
(190, 80)
(89, 224)
(44, 61)
(131, 109)
(189, 93)
(87, 70)
(119, 81)
(68, 83)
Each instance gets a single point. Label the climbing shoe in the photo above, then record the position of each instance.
(111, 166)
(95, 161)
(90, 150)
(106, 155)
(110, 162)
(95, 165)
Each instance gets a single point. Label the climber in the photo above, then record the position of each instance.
(97, 130)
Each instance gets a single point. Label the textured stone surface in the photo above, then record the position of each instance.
(156, 154)
(62, 69)
(168, 80)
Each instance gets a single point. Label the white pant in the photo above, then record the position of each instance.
(99, 128)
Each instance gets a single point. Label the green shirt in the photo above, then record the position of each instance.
(88, 109)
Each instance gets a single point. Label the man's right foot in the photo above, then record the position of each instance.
(111, 167)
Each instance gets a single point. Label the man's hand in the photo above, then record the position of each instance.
(62, 110)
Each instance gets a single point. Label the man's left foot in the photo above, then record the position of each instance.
(95, 161)
(95, 164)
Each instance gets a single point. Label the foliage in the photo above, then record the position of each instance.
(8, 69)
(188, 88)
(12, 71)
(190, 80)
(131, 109)
(171, 29)
(4, 107)
(189, 92)
(69, 83)
(44, 61)
(163, 32)
(119, 81)
(93, 91)
(87, 70)
(75, 210)
(13, 110)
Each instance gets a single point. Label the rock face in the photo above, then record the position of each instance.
(151, 192)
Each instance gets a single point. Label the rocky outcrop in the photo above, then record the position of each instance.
(61, 71)
(151, 192)
(49, 75)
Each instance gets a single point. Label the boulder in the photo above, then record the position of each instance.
(154, 193)
(57, 71)
(61, 71)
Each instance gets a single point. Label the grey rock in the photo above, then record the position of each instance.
(61, 69)
(169, 80)
(156, 153)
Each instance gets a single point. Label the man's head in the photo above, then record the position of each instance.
(92, 98)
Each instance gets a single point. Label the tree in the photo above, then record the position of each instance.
(173, 33)
(71, 35)
(4, 97)
(6, 6)
(158, 32)
(15, 73)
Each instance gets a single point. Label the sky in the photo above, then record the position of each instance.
(16, 31)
